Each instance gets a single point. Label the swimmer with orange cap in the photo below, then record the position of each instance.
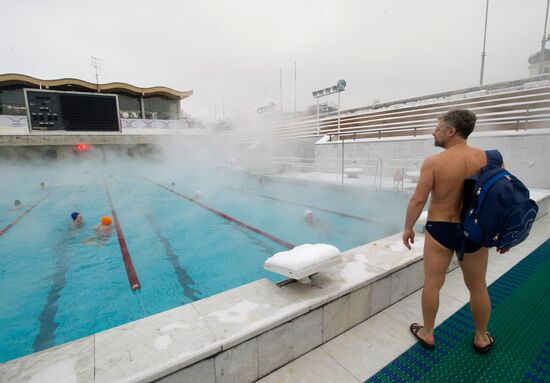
(103, 232)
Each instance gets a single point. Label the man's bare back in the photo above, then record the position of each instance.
(449, 169)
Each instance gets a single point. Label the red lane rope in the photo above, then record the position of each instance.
(12, 223)
(229, 218)
(347, 215)
(304, 205)
(130, 270)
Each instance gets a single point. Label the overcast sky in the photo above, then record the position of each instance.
(230, 52)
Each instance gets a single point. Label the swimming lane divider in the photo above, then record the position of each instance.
(12, 223)
(359, 218)
(229, 218)
(130, 270)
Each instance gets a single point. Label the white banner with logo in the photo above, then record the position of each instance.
(13, 124)
(135, 123)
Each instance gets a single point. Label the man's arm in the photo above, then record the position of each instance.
(418, 200)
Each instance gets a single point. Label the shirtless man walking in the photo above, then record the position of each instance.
(443, 176)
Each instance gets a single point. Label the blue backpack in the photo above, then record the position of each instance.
(497, 210)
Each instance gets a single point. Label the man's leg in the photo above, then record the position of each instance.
(436, 260)
(474, 267)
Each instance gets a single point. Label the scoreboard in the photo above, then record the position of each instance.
(72, 111)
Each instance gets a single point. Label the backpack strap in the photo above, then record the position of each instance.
(494, 158)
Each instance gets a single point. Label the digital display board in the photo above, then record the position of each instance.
(72, 111)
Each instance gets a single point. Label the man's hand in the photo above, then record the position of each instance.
(408, 236)
(502, 251)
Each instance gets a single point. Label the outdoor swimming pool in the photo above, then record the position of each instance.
(180, 231)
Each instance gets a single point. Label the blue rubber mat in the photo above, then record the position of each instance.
(520, 324)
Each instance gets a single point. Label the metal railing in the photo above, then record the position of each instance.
(374, 168)
(516, 109)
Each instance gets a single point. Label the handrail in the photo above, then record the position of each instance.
(514, 110)
(379, 161)
(513, 101)
(491, 91)
(430, 109)
(543, 105)
(503, 117)
(495, 117)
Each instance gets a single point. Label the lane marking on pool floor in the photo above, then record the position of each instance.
(128, 264)
(229, 218)
(14, 222)
(46, 334)
(342, 214)
(183, 276)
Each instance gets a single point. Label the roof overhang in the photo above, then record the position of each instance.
(15, 78)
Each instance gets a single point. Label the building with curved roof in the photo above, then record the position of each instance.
(158, 102)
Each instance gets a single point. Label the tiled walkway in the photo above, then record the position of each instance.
(360, 352)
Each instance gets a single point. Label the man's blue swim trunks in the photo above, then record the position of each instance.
(448, 234)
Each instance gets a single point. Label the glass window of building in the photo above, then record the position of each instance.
(161, 108)
(12, 100)
(129, 106)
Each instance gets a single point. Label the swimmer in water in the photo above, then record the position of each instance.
(316, 223)
(103, 232)
(16, 205)
(78, 221)
(308, 215)
(42, 185)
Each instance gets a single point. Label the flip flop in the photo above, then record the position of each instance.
(415, 328)
(486, 349)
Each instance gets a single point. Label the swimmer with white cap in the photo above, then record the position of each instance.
(316, 223)
(308, 215)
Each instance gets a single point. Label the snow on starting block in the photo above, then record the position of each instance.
(303, 261)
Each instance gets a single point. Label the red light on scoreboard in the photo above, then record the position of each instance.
(82, 147)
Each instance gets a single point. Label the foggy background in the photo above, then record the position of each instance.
(230, 53)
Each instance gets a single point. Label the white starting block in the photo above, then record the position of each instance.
(353, 172)
(303, 261)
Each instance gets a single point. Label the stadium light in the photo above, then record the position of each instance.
(338, 88)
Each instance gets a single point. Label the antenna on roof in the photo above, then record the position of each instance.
(96, 63)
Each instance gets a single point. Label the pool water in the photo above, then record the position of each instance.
(56, 289)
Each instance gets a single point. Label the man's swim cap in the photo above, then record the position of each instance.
(106, 220)
(74, 214)
(308, 213)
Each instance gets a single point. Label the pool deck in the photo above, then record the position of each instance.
(360, 352)
(363, 181)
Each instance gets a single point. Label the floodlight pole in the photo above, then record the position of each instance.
(543, 43)
(295, 87)
(339, 111)
(281, 84)
(484, 40)
(338, 88)
(342, 158)
(318, 126)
